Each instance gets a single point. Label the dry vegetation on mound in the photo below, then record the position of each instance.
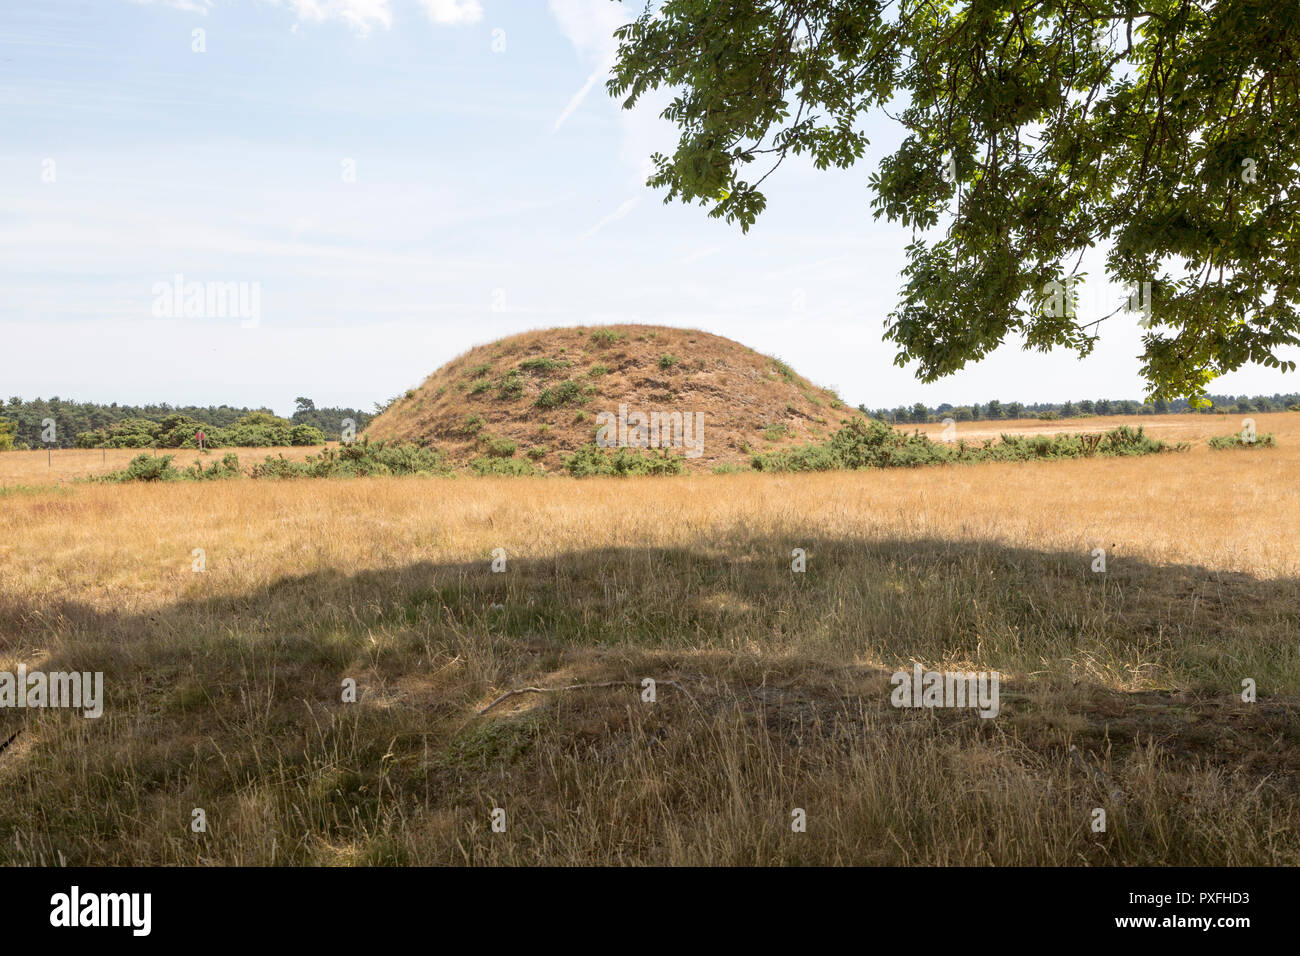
(224, 687)
(750, 402)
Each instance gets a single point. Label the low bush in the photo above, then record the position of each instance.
(590, 460)
(567, 392)
(351, 460)
(511, 386)
(603, 337)
(501, 466)
(863, 443)
(1237, 440)
(502, 447)
(541, 364)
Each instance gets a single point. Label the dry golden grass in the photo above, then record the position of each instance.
(223, 687)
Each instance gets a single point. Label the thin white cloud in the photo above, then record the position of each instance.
(623, 209)
(598, 74)
(699, 254)
(589, 25)
(453, 12)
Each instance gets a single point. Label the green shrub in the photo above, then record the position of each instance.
(306, 435)
(227, 467)
(598, 370)
(501, 466)
(126, 433)
(511, 386)
(479, 386)
(567, 392)
(603, 337)
(146, 468)
(863, 443)
(667, 361)
(357, 459)
(590, 460)
(785, 371)
(541, 364)
(1237, 440)
(501, 447)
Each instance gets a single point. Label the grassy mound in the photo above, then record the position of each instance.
(535, 399)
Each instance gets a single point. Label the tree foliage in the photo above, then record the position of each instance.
(1164, 131)
(91, 424)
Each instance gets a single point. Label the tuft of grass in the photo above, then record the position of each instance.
(8, 491)
(567, 392)
(784, 370)
(470, 425)
(541, 365)
(511, 386)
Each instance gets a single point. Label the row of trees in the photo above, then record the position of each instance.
(27, 424)
(332, 421)
(254, 430)
(995, 410)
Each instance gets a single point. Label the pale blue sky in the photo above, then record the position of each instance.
(497, 189)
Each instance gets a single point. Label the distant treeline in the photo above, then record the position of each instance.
(23, 424)
(995, 410)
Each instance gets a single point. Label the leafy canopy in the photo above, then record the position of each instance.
(1162, 130)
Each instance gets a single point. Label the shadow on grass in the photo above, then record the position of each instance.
(238, 697)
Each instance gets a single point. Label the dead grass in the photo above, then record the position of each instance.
(224, 687)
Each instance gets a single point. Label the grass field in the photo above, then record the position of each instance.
(223, 688)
